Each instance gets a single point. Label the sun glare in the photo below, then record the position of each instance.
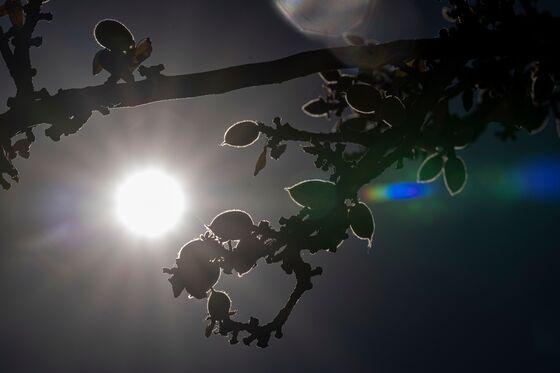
(150, 203)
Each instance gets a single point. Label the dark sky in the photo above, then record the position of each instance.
(463, 284)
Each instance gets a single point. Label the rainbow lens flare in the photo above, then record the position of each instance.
(537, 179)
(396, 191)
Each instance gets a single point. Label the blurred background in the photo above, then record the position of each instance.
(468, 283)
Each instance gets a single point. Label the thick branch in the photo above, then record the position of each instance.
(160, 88)
(68, 103)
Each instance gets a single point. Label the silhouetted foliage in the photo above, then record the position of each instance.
(425, 99)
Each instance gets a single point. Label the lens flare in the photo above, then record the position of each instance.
(325, 17)
(395, 192)
(536, 179)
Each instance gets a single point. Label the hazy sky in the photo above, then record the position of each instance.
(453, 284)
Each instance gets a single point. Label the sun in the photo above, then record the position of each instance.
(149, 203)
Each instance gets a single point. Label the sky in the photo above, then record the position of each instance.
(454, 284)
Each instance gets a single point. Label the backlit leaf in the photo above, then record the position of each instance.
(316, 108)
(232, 225)
(362, 222)
(430, 169)
(392, 111)
(113, 35)
(241, 134)
(363, 98)
(314, 194)
(455, 173)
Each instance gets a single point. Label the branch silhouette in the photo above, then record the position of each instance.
(157, 87)
(406, 100)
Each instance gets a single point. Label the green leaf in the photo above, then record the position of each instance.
(241, 134)
(430, 169)
(361, 222)
(314, 194)
(455, 173)
(363, 98)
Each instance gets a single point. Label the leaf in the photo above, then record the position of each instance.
(430, 169)
(261, 162)
(113, 35)
(232, 225)
(315, 194)
(392, 111)
(542, 87)
(362, 222)
(218, 305)
(455, 173)
(363, 98)
(277, 151)
(241, 134)
(97, 66)
(531, 118)
(330, 76)
(16, 16)
(316, 108)
(142, 51)
(544, 122)
(467, 98)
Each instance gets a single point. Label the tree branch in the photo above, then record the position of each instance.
(66, 103)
